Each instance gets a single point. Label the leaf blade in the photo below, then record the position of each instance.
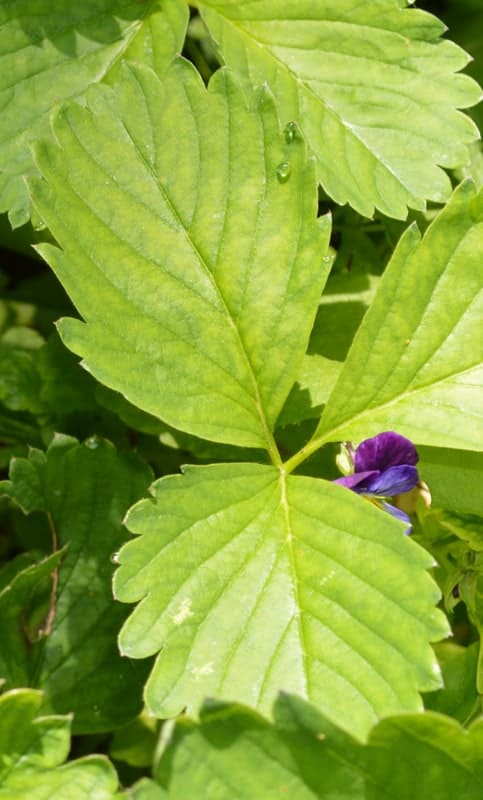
(268, 587)
(363, 82)
(55, 51)
(415, 364)
(208, 317)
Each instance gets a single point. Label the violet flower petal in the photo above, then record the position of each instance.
(395, 480)
(385, 450)
(400, 515)
(357, 481)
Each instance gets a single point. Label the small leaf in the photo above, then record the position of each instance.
(372, 85)
(33, 749)
(53, 50)
(459, 697)
(303, 587)
(416, 364)
(196, 270)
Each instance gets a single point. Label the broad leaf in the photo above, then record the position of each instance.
(86, 489)
(33, 749)
(369, 83)
(53, 50)
(192, 260)
(265, 586)
(416, 364)
(239, 754)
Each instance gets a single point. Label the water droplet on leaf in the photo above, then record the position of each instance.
(290, 132)
(283, 171)
(92, 442)
(115, 558)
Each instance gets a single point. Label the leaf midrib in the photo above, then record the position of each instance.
(271, 446)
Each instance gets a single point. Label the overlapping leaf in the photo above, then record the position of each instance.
(190, 247)
(86, 490)
(33, 749)
(239, 754)
(372, 85)
(52, 50)
(416, 364)
(249, 586)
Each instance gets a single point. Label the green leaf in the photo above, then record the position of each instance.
(342, 307)
(53, 50)
(212, 291)
(19, 380)
(31, 586)
(459, 697)
(303, 587)
(454, 477)
(416, 364)
(239, 754)
(136, 742)
(145, 789)
(33, 749)
(86, 489)
(372, 85)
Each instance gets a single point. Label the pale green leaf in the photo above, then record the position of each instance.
(372, 85)
(196, 268)
(237, 753)
(52, 50)
(249, 585)
(86, 490)
(33, 749)
(416, 364)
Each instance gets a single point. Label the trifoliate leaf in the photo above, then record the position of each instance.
(54, 50)
(249, 585)
(416, 364)
(195, 263)
(86, 490)
(33, 750)
(372, 85)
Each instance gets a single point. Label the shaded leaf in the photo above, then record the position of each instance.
(303, 587)
(369, 83)
(459, 698)
(454, 477)
(301, 755)
(86, 490)
(54, 50)
(210, 292)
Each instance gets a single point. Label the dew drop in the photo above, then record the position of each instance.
(115, 558)
(92, 442)
(283, 171)
(290, 132)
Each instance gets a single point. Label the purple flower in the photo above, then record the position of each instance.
(384, 466)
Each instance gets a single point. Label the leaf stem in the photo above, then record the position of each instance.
(49, 620)
(305, 452)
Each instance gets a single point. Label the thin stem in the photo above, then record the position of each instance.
(49, 620)
(305, 452)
